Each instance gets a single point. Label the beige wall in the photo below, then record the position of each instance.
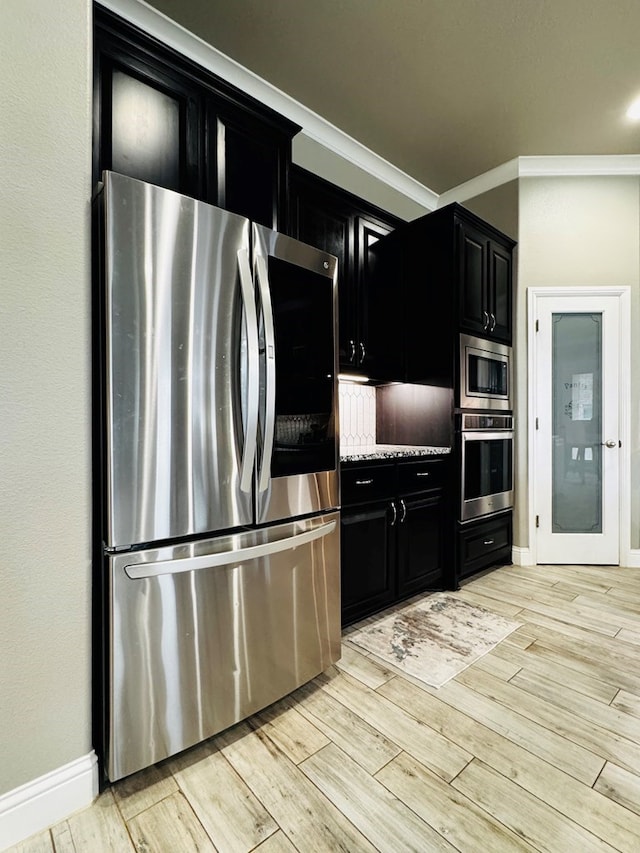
(498, 206)
(45, 516)
(579, 231)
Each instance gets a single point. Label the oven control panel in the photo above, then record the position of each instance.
(484, 422)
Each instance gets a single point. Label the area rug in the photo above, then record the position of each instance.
(435, 638)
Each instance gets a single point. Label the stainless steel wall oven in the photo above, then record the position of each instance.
(486, 471)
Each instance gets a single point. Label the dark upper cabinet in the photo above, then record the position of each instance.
(500, 291)
(163, 119)
(321, 217)
(147, 118)
(336, 221)
(484, 281)
(444, 273)
(252, 162)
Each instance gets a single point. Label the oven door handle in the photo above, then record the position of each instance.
(487, 435)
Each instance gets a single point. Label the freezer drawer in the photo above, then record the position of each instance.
(205, 634)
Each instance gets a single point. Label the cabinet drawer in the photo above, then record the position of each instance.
(367, 483)
(421, 476)
(485, 544)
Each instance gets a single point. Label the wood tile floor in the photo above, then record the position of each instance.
(534, 747)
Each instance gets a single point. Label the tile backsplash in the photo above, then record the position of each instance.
(357, 414)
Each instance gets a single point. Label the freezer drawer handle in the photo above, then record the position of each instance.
(137, 571)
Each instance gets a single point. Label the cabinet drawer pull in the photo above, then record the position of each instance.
(395, 514)
(364, 482)
(363, 352)
(493, 322)
(404, 511)
(485, 325)
(423, 474)
(489, 541)
(352, 356)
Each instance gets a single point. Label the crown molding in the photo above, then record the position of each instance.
(552, 166)
(578, 165)
(313, 125)
(481, 183)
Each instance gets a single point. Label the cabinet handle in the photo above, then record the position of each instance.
(493, 322)
(485, 325)
(363, 352)
(489, 541)
(364, 482)
(352, 357)
(404, 511)
(395, 514)
(423, 474)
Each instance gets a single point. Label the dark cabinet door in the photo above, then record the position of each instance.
(485, 283)
(367, 563)
(332, 219)
(420, 544)
(322, 219)
(148, 123)
(500, 291)
(251, 167)
(472, 271)
(376, 353)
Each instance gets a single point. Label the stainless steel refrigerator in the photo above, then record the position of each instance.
(220, 469)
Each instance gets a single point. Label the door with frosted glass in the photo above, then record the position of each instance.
(577, 446)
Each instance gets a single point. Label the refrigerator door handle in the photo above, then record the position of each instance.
(270, 373)
(138, 571)
(253, 371)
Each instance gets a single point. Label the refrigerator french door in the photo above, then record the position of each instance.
(221, 485)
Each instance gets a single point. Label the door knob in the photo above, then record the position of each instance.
(610, 443)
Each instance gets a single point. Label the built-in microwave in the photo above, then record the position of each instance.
(484, 374)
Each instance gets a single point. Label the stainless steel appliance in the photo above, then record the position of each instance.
(486, 471)
(484, 374)
(221, 479)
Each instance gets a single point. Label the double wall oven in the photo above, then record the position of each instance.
(484, 428)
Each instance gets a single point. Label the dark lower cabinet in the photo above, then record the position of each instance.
(393, 534)
(420, 544)
(367, 539)
(484, 543)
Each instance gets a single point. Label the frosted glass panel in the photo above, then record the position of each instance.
(577, 423)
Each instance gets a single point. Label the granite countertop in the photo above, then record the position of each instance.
(369, 452)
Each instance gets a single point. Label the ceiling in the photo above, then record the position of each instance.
(443, 89)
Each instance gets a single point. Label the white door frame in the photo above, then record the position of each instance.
(534, 296)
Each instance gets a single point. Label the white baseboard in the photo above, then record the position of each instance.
(522, 556)
(631, 558)
(47, 800)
